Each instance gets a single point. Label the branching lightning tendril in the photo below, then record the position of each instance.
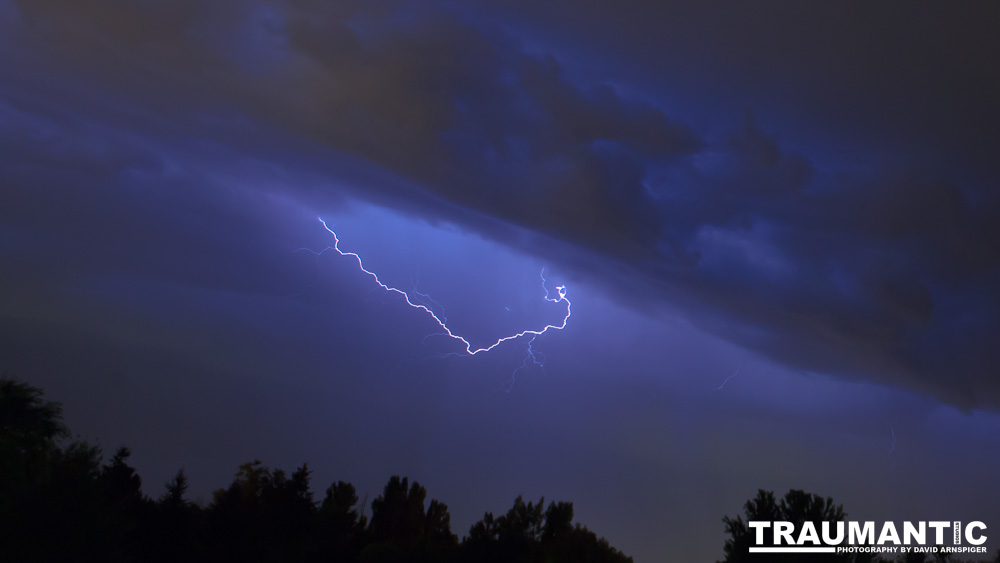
(531, 356)
(423, 302)
(735, 373)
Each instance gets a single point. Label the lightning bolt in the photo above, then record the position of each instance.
(735, 373)
(530, 356)
(421, 301)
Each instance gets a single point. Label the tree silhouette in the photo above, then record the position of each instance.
(526, 533)
(796, 507)
(263, 515)
(48, 494)
(125, 509)
(340, 526)
(403, 531)
(176, 489)
(173, 533)
(29, 430)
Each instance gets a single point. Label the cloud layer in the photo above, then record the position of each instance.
(884, 270)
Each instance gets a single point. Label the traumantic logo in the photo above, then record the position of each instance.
(861, 537)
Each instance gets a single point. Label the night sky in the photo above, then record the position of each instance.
(777, 223)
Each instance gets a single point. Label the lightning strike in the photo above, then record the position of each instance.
(529, 358)
(735, 373)
(425, 303)
(530, 353)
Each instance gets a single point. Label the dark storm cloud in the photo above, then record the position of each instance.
(884, 273)
(909, 74)
(871, 276)
(483, 125)
(463, 112)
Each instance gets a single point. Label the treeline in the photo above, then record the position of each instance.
(59, 502)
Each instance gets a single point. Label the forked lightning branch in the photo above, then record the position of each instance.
(417, 303)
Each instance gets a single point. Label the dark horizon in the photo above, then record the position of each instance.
(776, 223)
(59, 501)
